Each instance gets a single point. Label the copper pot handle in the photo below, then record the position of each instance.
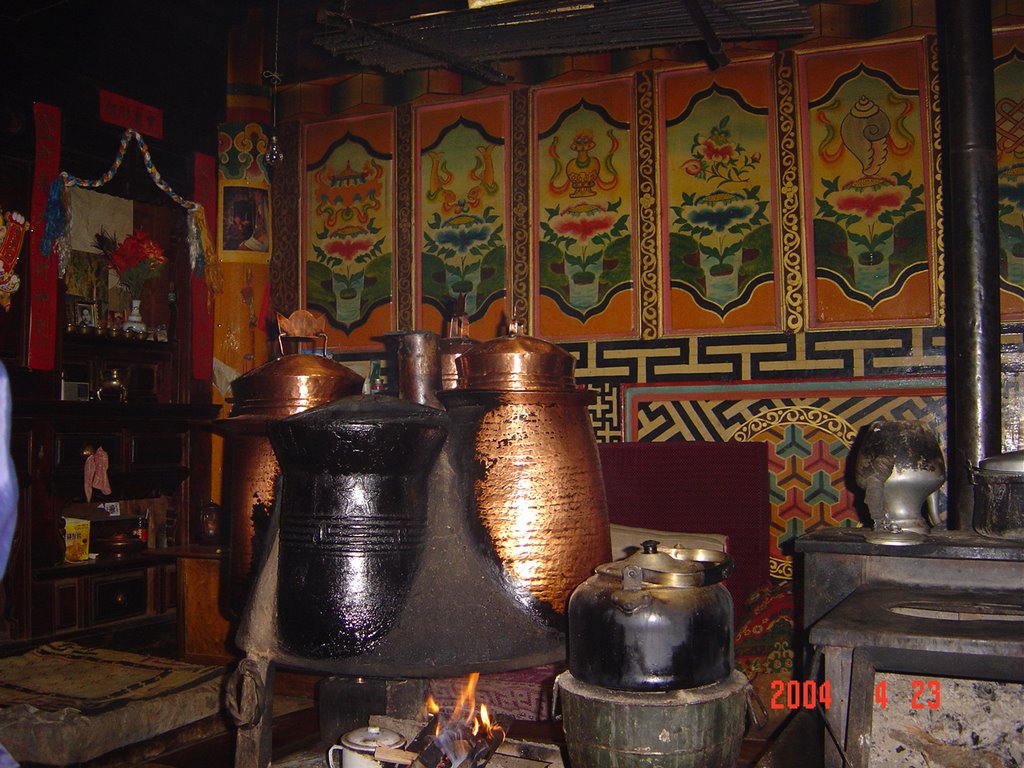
(322, 336)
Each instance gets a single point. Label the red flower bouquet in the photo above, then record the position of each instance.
(137, 259)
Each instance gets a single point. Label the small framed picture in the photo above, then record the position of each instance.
(85, 314)
(115, 318)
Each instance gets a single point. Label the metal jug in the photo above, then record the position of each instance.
(290, 384)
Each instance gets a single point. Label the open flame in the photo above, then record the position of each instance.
(467, 737)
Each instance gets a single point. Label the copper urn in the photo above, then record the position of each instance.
(535, 472)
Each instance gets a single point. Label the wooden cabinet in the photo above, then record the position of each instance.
(204, 632)
(151, 448)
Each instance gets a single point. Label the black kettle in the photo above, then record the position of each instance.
(654, 621)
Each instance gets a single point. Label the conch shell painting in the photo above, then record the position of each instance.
(865, 131)
(870, 222)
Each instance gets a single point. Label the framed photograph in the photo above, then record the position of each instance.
(244, 233)
(115, 318)
(85, 314)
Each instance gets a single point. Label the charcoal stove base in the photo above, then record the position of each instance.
(699, 727)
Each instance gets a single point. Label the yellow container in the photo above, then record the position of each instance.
(76, 539)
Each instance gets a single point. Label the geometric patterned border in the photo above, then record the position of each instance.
(938, 220)
(605, 367)
(405, 272)
(519, 236)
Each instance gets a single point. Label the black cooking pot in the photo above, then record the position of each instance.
(655, 621)
(353, 519)
(999, 496)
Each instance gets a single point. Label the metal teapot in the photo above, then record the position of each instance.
(654, 621)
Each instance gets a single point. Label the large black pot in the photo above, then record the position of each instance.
(654, 621)
(999, 496)
(353, 519)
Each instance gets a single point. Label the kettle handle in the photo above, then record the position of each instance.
(932, 509)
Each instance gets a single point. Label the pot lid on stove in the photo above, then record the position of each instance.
(370, 737)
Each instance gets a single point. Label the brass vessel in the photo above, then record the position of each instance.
(537, 489)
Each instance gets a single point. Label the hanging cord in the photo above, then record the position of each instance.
(273, 76)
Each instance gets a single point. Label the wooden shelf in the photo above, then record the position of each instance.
(102, 565)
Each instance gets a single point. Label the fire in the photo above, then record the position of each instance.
(467, 737)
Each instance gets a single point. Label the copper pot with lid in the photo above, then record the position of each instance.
(537, 487)
(287, 385)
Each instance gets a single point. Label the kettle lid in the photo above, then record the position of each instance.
(368, 738)
(672, 567)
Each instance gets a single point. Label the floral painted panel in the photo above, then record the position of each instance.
(868, 185)
(462, 212)
(1009, 119)
(717, 182)
(584, 184)
(348, 226)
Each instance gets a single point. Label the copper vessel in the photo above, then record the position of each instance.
(415, 357)
(282, 387)
(537, 489)
(453, 346)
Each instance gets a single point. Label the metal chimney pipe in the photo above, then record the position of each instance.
(972, 275)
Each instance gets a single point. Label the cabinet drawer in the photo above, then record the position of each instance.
(119, 597)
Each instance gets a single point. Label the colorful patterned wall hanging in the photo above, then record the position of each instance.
(13, 227)
(1009, 120)
(204, 191)
(203, 257)
(584, 209)
(868, 145)
(462, 212)
(241, 153)
(718, 189)
(348, 225)
(809, 426)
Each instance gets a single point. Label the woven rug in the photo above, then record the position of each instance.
(64, 675)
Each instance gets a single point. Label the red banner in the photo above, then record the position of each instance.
(204, 193)
(43, 309)
(128, 113)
